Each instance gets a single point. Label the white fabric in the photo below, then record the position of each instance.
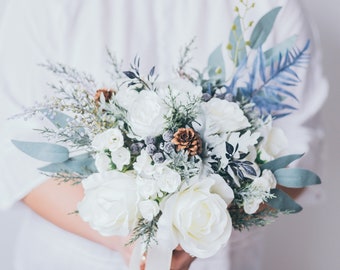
(77, 33)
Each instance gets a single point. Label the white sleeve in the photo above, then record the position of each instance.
(27, 38)
(304, 127)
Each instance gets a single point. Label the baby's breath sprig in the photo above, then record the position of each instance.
(71, 75)
(184, 59)
(116, 66)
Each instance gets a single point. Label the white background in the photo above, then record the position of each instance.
(309, 240)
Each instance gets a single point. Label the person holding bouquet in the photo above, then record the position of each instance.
(77, 34)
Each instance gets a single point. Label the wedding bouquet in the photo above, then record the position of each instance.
(180, 162)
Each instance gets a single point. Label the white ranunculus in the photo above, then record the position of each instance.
(222, 116)
(102, 162)
(198, 216)
(274, 144)
(147, 187)
(168, 180)
(121, 157)
(259, 190)
(110, 202)
(267, 180)
(143, 164)
(244, 141)
(146, 114)
(111, 139)
(251, 205)
(148, 209)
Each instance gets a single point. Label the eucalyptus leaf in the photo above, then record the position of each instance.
(296, 177)
(82, 164)
(263, 28)
(280, 162)
(283, 202)
(59, 119)
(216, 62)
(274, 53)
(236, 40)
(43, 151)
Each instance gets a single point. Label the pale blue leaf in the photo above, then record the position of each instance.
(59, 119)
(296, 177)
(82, 164)
(238, 45)
(272, 54)
(216, 61)
(280, 162)
(263, 28)
(43, 151)
(283, 202)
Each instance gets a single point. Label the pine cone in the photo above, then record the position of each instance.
(189, 140)
(107, 94)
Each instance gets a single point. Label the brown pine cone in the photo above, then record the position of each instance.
(189, 140)
(106, 92)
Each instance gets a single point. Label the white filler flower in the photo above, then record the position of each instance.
(111, 139)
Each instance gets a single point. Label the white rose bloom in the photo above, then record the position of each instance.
(146, 114)
(198, 217)
(168, 180)
(222, 116)
(148, 209)
(126, 97)
(111, 139)
(121, 157)
(274, 144)
(184, 91)
(102, 162)
(110, 202)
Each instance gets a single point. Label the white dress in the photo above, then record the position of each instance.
(77, 33)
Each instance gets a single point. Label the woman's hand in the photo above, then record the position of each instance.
(181, 260)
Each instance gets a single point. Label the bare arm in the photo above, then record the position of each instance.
(55, 202)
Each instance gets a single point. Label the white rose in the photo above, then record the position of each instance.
(146, 114)
(199, 218)
(121, 157)
(110, 202)
(274, 144)
(222, 116)
(168, 180)
(125, 96)
(183, 90)
(148, 209)
(102, 162)
(111, 139)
